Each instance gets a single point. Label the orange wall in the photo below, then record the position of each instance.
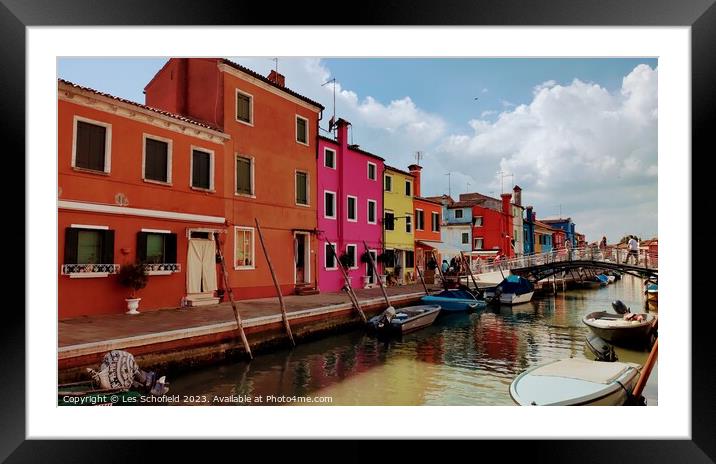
(428, 208)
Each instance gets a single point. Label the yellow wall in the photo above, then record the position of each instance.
(401, 205)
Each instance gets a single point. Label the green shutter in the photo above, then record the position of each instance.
(70, 246)
(243, 176)
(142, 247)
(170, 248)
(108, 247)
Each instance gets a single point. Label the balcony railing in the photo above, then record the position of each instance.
(74, 269)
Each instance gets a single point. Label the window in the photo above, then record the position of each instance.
(352, 250)
(371, 211)
(372, 169)
(388, 184)
(330, 258)
(243, 248)
(409, 259)
(329, 158)
(244, 107)
(436, 222)
(301, 130)
(201, 169)
(458, 214)
(389, 221)
(408, 188)
(156, 247)
(92, 145)
(408, 223)
(157, 159)
(301, 188)
(465, 238)
(329, 205)
(89, 246)
(419, 219)
(244, 175)
(389, 258)
(478, 221)
(352, 209)
(477, 244)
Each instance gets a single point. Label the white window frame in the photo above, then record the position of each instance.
(170, 144)
(253, 248)
(461, 213)
(211, 168)
(159, 232)
(435, 225)
(325, 257)
(462, 235)
(251, 107)
(375, 212)
(334, 158)
(307, 143)
(308, 188)
(482, 221)
(474, 243)
(253, 177)
(409, 221)
(375, 170)
(391, 182)
(408, 182)
(107, 145)
(355, 203)
(355, 254)
(416, 219)
(335, 210)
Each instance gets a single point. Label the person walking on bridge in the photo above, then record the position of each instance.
(633, 246)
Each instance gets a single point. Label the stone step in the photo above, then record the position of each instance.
(201, 299)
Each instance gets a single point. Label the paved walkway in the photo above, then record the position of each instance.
(93, 329)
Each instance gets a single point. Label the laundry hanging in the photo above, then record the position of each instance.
(201, 266)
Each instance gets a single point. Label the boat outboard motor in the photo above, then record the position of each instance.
(620, 307)
(386, 317)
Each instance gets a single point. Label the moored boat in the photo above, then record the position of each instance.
(513, 290)
(394, 321)
(619, 331)
(602, 279)
(652, 297)
(455, 300)
(575, 382)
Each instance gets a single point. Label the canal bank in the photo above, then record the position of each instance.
(173, 340)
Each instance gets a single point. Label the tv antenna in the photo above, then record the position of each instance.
(332, 121)
(449, 188)
(418, 156)
(275, 60)
(503, 174)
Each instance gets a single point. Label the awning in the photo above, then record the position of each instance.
(445, 249)
(484, 252)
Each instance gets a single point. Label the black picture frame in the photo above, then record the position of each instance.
(700, 15)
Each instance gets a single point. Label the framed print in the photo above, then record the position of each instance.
(404, 221)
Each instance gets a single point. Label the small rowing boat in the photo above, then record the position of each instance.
(614, 328)
(403, 320)
(455, 300)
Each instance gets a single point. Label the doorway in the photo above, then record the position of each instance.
(369, 268)
(302, 258)
(201, 266)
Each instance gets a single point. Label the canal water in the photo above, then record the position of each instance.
(463, 359)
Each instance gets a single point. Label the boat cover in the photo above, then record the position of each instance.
(457, 294)
(584, 369)
(516, 284)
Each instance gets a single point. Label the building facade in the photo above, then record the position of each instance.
(542, 237)
(269, 172)
(398, 223)
(350, 207)
(135, 185)
(566, 225)
(428, 219)
(517, 226)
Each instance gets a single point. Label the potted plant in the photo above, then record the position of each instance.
(365, 257)
(346, 261)
(135, 278)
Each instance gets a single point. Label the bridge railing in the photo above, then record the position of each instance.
(643, 258)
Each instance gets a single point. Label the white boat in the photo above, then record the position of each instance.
(513, 290)
(575, 382)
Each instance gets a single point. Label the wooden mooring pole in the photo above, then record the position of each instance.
(469, 269)
(284, 316)
(348, 287)
(375, 271)
(440, 270)
(646, 370)
(227, 287)
(422, 281)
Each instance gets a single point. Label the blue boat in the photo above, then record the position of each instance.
(455, 300)
(603, 280)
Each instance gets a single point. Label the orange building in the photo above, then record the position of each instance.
(428, 217)
(134, 184)
(269, 171)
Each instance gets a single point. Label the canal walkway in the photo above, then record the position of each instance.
(82, 341)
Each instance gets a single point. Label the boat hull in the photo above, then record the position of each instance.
(419, 317)
(511, 298)
(454, 304)
(635, 335)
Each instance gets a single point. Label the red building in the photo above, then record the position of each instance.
(492, 225)
(428, 217)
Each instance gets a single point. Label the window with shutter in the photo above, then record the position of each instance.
(330, 257)
(436, 222)
(388, 184)
(409, 259)
(301, 188)
(89, 247)
(201, 169)
(329, 205)
(156, 160)
(301, 130)
(244, 167)
(329, 158)
(389, 221)
(352, 209)
(90, 146)
(371, 211)
(243, 107)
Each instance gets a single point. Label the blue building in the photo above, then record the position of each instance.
(564, 224)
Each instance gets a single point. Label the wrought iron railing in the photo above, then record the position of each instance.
(68, 269)
(158, 267)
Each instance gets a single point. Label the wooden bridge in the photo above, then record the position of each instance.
(582, 261)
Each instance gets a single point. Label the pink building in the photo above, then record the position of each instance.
(350, 209)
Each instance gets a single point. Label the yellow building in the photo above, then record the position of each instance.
(398, 223)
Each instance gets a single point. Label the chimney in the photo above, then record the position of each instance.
(529, 217)
(342, 126)
(518, 195)
(415, 171)
(277, 78)
(506, 198)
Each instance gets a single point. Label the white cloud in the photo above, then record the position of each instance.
(484, 90)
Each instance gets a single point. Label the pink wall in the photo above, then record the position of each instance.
(350, 177)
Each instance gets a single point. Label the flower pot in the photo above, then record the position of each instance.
(366, 282)
(132, 305)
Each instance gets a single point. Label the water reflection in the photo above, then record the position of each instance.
(464, 359)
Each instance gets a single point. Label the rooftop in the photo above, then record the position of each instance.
(398, 170)
(354, 148)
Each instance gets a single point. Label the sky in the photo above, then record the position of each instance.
(578, 135)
